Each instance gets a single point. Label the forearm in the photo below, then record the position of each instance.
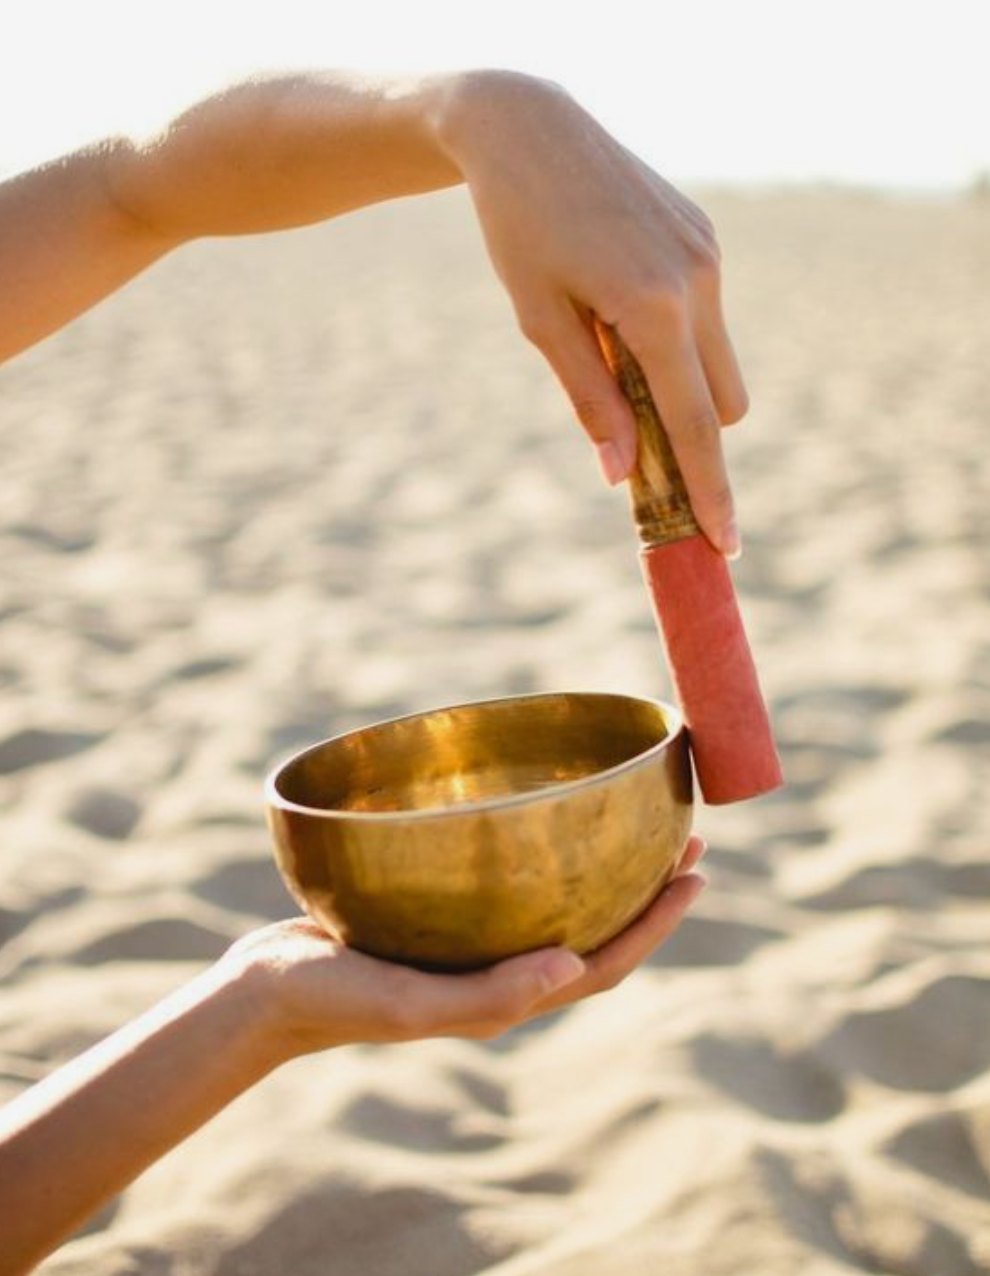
(576, 227)
(77, 1139)
(64, 245)
(286, 151)
(263, 155)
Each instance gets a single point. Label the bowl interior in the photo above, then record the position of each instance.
(474, 753)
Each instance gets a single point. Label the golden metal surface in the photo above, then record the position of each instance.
(453, 838)
(659, 496)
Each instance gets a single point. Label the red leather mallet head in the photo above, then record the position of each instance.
(696, 610)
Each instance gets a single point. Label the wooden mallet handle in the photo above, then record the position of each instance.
(696, 609)
(661, 507)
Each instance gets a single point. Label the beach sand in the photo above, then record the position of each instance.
(282, 487)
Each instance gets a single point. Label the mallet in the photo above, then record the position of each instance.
(696, 610)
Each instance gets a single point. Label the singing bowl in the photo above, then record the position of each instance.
(453, 838)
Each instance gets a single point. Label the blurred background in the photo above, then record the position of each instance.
(282, 486)
(887, 92)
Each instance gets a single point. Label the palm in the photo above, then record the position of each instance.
(329, 994)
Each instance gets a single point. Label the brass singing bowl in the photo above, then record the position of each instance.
(453, 838)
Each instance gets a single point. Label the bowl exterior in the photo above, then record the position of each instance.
(463, 887)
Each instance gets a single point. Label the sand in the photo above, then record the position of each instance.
(284, 486)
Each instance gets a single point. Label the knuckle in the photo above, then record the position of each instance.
(703, 227)
(721, 499)
(665, 302)
(610, 299)
(706, 264)
(708, 237)
(703, 260)
(649, 298)
(698, 422)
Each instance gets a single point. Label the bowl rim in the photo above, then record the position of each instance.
(276, 801)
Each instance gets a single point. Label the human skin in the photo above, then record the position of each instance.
(78, 1138)
(575, 224)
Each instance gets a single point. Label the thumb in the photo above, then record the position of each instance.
(519, 982)
(501, 995)
(567, 343)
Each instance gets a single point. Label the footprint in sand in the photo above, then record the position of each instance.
(705, 941)
(205, 668)
(393, 1228)
(541, 1183)
(840, 715)
(973, 733)
(811, 770)
(818, 1205)
(809, 1204)
(61, 542)
(913, 883)
(949, 1147)
(104, 813)
(300, 732)
(247, 886)
(419, 1129)
(910, 884)
(160, 939)
(34, 746)
(937, 1040)
(480, 1091)
(968, 879)
(786, 1087)
(11, 923)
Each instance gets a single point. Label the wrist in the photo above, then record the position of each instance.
(280, 979)
(256, 1012)
(469, 106)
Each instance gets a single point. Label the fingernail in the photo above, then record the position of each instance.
(691, 857)
(610, 459)
(560, 968)
(731, 541)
